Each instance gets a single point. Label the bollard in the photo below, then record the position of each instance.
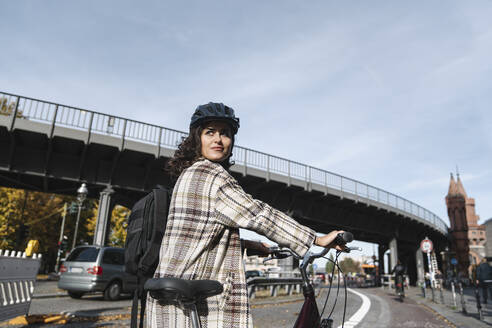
(463, 305)
(432, 291)
(252, 291)
(274, 291)
(441, 294)
(454, 294)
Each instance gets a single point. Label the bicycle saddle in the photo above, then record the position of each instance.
(181, 290)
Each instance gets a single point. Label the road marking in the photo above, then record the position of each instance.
(361, 312)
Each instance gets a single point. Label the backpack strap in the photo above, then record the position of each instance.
(133, 317)
(143, 303)
(141, 294)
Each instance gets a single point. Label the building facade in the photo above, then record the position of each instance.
(468, 238)
(488, 241)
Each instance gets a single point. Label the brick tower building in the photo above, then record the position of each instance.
(468, 237)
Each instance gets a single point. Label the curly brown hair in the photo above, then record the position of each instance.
(189, 151)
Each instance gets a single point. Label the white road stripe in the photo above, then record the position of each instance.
(361, 312)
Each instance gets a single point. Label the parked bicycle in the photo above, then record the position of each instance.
(187, 293)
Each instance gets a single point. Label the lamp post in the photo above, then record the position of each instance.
(81, 196)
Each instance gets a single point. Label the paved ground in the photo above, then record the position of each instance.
(385, 311)
(445, 307)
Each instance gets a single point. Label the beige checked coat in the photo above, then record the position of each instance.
(202, 242)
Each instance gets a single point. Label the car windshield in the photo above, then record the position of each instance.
(83, 254)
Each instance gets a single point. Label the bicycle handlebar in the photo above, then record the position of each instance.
(309, 257)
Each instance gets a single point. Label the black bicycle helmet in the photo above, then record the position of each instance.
(215, 112)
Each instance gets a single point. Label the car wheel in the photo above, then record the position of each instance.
(76, 295)
(113, 291)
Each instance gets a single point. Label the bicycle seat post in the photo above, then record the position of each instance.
(195, 320)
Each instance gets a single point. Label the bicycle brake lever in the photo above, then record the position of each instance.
(348, 249)
(276, 255)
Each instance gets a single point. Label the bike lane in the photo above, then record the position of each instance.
(399, 314)
(280, 314)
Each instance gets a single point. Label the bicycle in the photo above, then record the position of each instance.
(309, 316)
(399, 286)
(187, 293)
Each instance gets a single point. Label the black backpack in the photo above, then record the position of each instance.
(146, 227)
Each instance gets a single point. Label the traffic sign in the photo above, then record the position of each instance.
(454, 261)
(426, 246)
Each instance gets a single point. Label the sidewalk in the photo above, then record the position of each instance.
(453, 314)
(48, 288)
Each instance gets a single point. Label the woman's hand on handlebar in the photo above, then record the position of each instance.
(328, 241)
(256, 248)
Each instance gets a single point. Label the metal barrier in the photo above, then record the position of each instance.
(274, 284)
(389, 280)
(17, 278)
(23, 108)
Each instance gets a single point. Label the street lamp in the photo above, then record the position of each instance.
(81, 196)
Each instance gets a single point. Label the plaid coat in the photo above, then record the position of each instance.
(202, 242)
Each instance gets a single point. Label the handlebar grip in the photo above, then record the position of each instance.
(343, 238)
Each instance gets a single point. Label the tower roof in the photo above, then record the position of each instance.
(453, 188)
(461, 189)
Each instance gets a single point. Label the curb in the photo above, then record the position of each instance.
(275, 301)
(443, 316)
(49, 295)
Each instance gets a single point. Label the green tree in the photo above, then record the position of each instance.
(119, 218)
(348, 264)
(9, 216)
(117, 225)
(26, 215)
(329, 264)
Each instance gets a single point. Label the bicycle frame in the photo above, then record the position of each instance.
(309, 316)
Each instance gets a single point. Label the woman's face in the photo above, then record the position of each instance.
(216, 140)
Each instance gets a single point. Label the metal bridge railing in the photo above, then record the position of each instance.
(19, 107)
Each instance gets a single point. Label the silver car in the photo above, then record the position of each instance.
(96, 269)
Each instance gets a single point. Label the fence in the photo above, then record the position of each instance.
(274, 284)
(17, 278)
(23, 108)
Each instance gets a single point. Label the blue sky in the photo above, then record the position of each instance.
(394, 94)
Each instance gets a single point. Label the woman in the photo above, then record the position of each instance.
(207, 209)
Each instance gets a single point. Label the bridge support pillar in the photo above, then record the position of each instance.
(381, 250)
(393, 245)
(419, 259)
(103, 216)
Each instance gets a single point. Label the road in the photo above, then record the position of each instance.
(383, 310)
